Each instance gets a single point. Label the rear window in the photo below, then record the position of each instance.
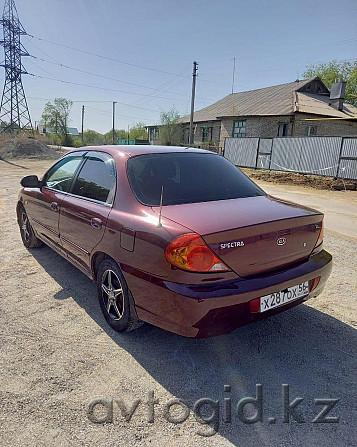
(187, 178)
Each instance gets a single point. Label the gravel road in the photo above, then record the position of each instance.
(57, 352)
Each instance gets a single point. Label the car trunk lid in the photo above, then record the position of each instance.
(252, 235)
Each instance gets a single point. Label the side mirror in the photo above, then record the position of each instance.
(31, 181)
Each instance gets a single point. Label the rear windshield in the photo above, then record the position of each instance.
(187, 178)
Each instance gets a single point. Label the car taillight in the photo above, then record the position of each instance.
(314, 283)
(189, 252)
(254, 305)
(321, 235)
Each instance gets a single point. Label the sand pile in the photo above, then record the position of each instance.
(27, 148)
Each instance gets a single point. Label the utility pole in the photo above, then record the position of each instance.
(82, 122)
(194, 76)
(128, 134)
(234, 70)
(113, 139)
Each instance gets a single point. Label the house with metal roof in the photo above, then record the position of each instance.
(301, 108)
(70, 130)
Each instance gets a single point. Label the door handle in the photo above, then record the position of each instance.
(54, 206)
(96, 223)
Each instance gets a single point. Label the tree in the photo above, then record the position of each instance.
(330, 71)
(138, 132)
(92, 138)
(170, 130)
(119, 133)
(55, 117)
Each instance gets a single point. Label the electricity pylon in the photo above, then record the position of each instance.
(14, 112)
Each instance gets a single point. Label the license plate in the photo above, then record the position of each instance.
(277, 299)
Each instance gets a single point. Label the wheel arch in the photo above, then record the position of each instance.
(18, 206)
(97, 258)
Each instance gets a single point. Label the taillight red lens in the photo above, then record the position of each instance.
(189, 252)
(314, 283)
(254, 305)
(321, 235)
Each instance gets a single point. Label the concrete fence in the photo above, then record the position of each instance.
(329, 156)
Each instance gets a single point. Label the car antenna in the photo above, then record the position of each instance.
(159, 225)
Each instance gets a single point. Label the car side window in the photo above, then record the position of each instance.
(96, 179)
(60, 176)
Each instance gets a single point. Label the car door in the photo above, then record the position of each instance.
(44, 204)
(85, 210)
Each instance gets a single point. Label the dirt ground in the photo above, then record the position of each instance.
(293, 178)
(58, 353)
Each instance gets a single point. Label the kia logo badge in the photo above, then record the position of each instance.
(281, 241)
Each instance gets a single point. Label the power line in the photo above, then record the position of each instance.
(114, 60)
(173, 82)
(73, 100)
(90, 109)
(45, 71)
(104, 112)
(90, 86)
(101, 56)
(105, 77)
(107, 89)
(54, 78)
(40, 49)
(151, 68)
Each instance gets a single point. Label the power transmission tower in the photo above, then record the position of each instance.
(14, 112)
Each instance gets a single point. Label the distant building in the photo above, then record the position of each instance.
(73, 131)
(43, 130)
(277, 111)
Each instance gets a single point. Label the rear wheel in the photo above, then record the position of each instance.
(115, 299)
(27, 234)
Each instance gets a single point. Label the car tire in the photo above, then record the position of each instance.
(28, 236)
(115, 298)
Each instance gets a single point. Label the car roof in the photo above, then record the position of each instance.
(133, 150)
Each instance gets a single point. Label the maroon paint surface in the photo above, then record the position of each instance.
(187, 303)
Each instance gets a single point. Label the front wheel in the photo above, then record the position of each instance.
(115, 299)
(27, 234)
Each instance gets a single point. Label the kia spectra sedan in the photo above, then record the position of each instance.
(176, 237)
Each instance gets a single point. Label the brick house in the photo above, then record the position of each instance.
(277, 111)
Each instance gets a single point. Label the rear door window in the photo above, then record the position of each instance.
(96, 179)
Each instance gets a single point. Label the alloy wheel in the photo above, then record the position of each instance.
(112, 294)
(25, 226)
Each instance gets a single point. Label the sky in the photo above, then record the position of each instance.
(147, 49)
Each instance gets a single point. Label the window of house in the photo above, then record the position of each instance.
(96, 180)
(206, 133)
(153, 133)
(311, 131)
(239, 129)
(283, 129)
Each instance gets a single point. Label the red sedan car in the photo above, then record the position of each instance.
(177, 237)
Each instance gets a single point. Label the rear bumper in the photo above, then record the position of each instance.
(211, 309)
